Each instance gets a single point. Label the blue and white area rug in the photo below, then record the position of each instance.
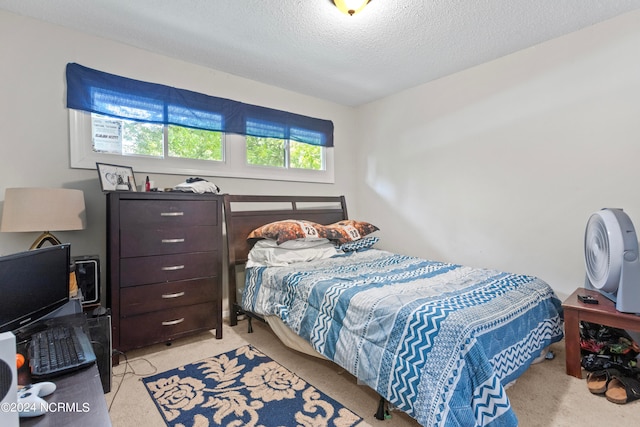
(243, 388)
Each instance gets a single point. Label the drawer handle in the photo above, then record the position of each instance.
(171, 213)
(172, 322)
(173, 267)
(176, 295)
(172, 240)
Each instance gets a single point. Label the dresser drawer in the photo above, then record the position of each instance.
(167, 213)
(168, 268)
(144, 242)
(162, 296)
(161, 326)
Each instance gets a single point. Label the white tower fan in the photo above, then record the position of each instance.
(611, 258)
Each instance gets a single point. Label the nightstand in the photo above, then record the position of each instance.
(603, 313)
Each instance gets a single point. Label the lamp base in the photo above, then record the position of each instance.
(45, 237)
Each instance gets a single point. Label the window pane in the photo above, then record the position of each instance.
(195, 143)
(125, 137)
(305, 156)
(106, 134)
(142, 139)
(266, 151)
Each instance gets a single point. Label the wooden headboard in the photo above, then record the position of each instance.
(244, 213)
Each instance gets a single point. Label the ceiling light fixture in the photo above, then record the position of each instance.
(350, 7)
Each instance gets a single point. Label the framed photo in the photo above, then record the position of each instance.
(116, 177)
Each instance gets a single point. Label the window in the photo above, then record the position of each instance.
(272, 148)
(283, 154)
(166, 130)
(129, 138)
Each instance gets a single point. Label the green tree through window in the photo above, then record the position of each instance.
(153, 140)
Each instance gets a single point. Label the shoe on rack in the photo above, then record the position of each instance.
(597, 381)
(623, 389)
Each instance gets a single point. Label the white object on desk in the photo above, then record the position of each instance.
(30, 399)
(8, 381)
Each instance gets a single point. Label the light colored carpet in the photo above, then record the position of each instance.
(543, 397)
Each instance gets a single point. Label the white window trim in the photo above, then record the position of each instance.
(234, 166)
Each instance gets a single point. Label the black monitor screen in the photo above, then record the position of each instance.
(33, 284)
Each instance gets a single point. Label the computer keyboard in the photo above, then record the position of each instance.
(59, 349)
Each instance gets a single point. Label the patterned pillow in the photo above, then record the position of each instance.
(349, 230)
(358, 245)
(290, 229)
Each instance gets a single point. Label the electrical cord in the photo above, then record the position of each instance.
(133, 372)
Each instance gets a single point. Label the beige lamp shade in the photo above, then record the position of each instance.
(43, 209)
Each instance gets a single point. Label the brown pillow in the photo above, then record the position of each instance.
(350, 230)
(290, 229)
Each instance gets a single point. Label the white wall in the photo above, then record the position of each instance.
(34, 144)
(501, 165)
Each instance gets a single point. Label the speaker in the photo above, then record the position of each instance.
(88, 277)
(100, 335)
(9, 416)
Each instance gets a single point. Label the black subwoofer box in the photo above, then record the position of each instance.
(88, 277)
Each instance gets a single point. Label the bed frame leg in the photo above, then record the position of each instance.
(382, 413)
(249, 325)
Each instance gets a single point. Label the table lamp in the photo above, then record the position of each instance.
(44, 210)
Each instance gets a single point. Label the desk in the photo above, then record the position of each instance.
(80, 394)
(79, 391)
(604, 313)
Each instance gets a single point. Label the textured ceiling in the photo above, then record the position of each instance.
(308, 46)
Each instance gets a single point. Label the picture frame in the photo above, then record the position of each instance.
(116, 177)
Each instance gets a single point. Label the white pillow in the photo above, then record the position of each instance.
(268, 253)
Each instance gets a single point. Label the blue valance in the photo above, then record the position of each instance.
(103, 93)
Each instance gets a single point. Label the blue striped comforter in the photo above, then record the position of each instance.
(438, 341)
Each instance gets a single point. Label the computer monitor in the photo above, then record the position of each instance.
(33, 284)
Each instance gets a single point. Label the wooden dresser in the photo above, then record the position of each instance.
(164, 260)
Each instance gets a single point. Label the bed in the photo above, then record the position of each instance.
(437, 340)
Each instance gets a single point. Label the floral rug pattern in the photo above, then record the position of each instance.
(243, 388)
